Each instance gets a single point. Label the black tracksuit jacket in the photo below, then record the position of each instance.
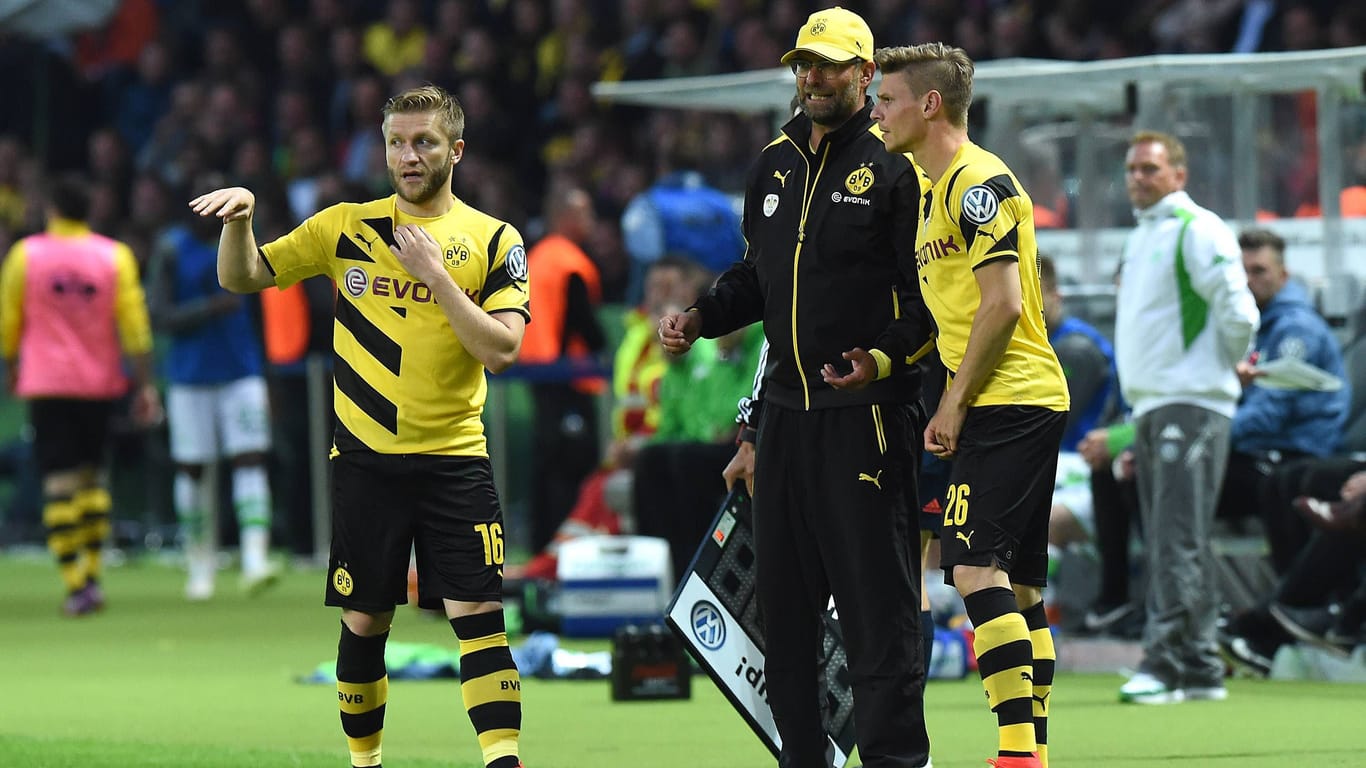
(830, 265)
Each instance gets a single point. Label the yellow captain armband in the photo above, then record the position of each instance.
(884, 363)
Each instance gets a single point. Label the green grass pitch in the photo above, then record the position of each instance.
(154, 681)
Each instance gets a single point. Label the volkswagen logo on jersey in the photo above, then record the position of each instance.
(516, 262)
(979, 204)
(355, 281)
(708, 626)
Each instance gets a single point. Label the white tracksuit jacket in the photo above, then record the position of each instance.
(1185, 316)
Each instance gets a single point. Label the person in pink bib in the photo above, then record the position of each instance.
(71, 310)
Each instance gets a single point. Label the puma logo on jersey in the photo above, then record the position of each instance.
(782, 178)
(1043, 700)
(876, 480)
(967, 538)
(361, 239)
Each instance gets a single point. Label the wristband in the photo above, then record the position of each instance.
(747, 434)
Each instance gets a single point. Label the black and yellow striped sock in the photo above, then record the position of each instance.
(1045, 658)
(62, 519)
(362, 690)
(1005, 661)
(94, 504)
(490, 686)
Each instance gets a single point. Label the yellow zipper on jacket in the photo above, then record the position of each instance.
(810, 192)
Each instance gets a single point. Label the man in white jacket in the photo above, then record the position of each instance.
(1185, 319)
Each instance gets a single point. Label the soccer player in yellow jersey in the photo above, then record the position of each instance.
(431, 293)
(1003, 411)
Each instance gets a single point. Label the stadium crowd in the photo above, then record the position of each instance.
(281, 95)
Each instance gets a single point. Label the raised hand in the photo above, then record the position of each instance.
(229, 204)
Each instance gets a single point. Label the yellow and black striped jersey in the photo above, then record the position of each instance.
(403, 382)
(978, 213)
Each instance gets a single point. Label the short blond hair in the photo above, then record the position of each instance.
(1176, 151)
(430, 98)
(934, 67)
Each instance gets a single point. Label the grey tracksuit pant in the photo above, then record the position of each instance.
(1180, 453)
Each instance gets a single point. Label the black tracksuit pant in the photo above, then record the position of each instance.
(830, 517)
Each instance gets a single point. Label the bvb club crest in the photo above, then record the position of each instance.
(859, 181)
(456, 255)
(341, 581)
(818, 27)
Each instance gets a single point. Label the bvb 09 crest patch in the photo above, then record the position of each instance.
(859, 181)
(341, 581)
(456, 255)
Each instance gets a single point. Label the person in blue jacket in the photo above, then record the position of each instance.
(1088, 362)
(1274, 426)
(680, 214)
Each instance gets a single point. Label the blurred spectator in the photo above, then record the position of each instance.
(566, 335)
(346, 64)
(1088, 361)
(398, 41)
(603, 504)
(638, 48)
(1196, 26)
(227, 61)
(302, 63)
(14, 202)
(756, 44)
(227, 119)
(140, 103)
(680, 214)
(677, 486)
(118, 44)
(1352, 199)
(360, 145)
(149, 208)
(216, 400)
(72, 310)
(307, 163)
(1275, 426)
(682, 50)
(1114, 514)
(1043, 179)
(1323, 577)
(108, 161)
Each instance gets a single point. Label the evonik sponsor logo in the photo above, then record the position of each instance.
(936, 249)
(840, 197)
(357, 282)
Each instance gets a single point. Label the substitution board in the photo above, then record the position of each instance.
(715, 613)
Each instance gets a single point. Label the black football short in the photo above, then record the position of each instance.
(1000, 491)
(933, 484)
(69, 434)
(444, 509)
